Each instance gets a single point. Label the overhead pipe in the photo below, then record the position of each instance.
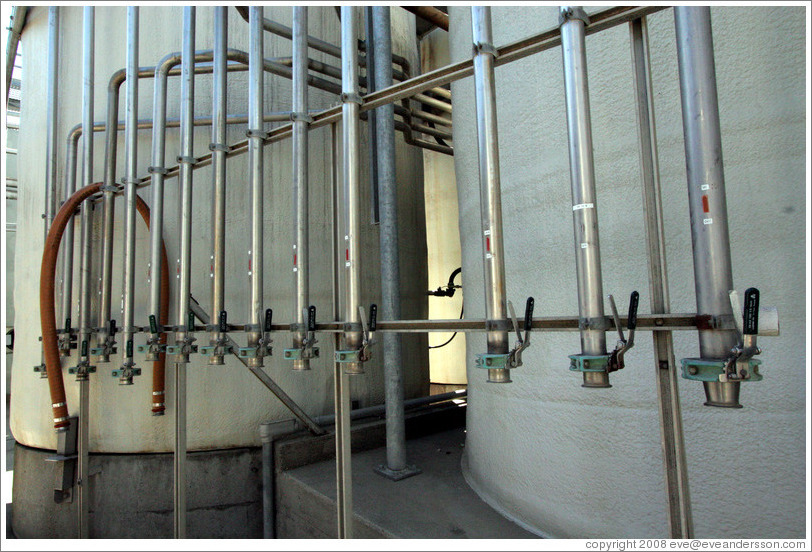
(430, 14)
(707, 200)
(573, 21)
(396, 466)
(302, 349)
(490, 191)
(83, 368)
(50, 117)
(219, 149)
(128, 369)
(18, 14)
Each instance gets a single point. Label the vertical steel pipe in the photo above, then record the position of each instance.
(351, 111)
(713, 275)
(51, 122)
(384, 138)
(584, 206)
(130, 190)
(255, 134)
(71, 160)
(183, 337)
(83, 452)
(680, 521)
(219, 150)
(490, 192)
(301, 249)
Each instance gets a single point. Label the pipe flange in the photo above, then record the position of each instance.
(158, 170)
(596, 323)
(305, 117)
(186, 160)
(256, 133)
(219, 147)
(485, 48)
(351, 97)
(568, 13)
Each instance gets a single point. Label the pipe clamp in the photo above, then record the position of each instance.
(568, 13)
(295, 116)
(186, 159)
(351, 97)
(157, 170)
(256, 133)
(589, 363)
(219, 147)
(485, 48)
(596, 323)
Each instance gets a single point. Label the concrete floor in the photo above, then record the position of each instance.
(433, 505)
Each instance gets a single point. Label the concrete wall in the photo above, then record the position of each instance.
(226, 403)
(573, 462)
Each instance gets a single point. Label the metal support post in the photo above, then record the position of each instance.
(713, 275)
(219, 150)
(351, 111)
(680, 521)
(128, 369)
(51, 121)
(573, 21)
(342, 403)
(83, 368)
(256, 337)
(380, 43)
(490, 193)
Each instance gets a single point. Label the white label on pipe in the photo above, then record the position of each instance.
(488, 256)
(487, 232)
(704, 187)
(583, 206)
(584, 245)
(295, 269)
(707, 221)
(347, 264)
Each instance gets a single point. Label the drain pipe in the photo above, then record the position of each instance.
(713, 275)
(219, 149)
(258, 344)
(380, 43)
(490, 196)
(302, 349)
(184, 338)
(83, 368)
(128, 369)
(593, 360)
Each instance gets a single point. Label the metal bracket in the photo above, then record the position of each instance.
(65, 462)
(126, 373)
(698, 369)
(485, 48)
(256, 133)
(109, 188)
(219, 147)
(306, 117)
(572, 12)
(158, 170)
(186, 159)
(351, 97)
(217, 349)
(596, 323)
(493, 361)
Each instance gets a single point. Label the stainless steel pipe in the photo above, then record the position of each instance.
(680, 521)
(351, 110)
(130, 190)
(256, 82)
(381, 44)
(490, 186)
(219, 150)
(184, 337)
(301, 222)
(707, 201)
(584, 205)
(50, 117)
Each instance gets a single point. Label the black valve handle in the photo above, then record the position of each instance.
(84, 347)
(528, 313)
(750, 315)
(129, 348)
(223, 322)
(113, 329)
(67, 325)
(190, 327)
(268, 319)
(373, 317)
(634, 301)
(153, 324)
(311, 318)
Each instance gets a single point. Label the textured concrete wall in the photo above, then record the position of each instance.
(226, 403)
(573, 462)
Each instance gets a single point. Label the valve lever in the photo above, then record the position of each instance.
(223, 322)
(616, 361)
